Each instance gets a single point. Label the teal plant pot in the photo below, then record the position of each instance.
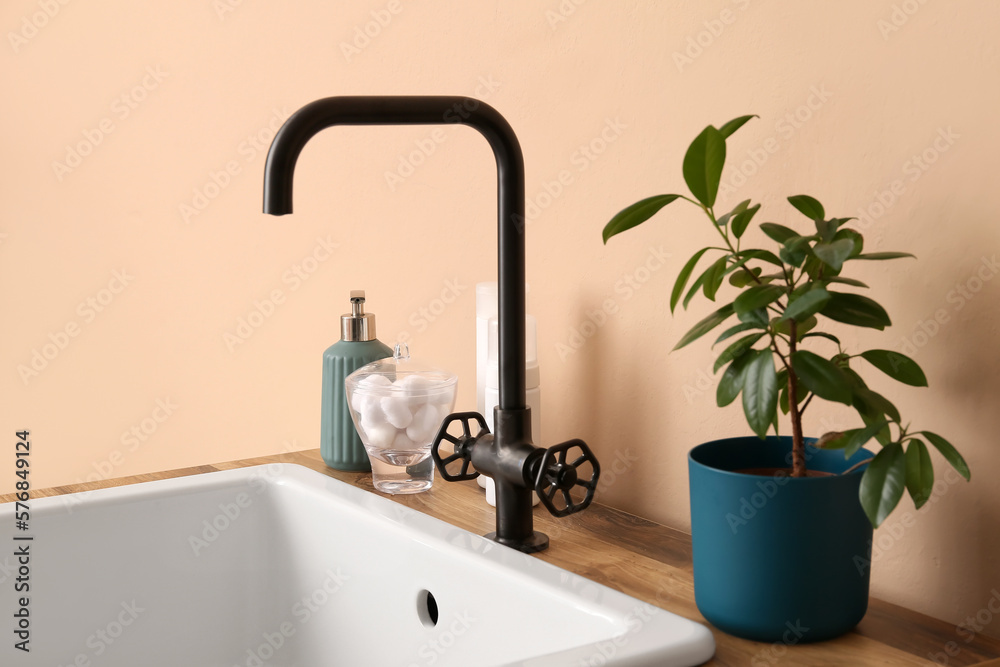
(778, 559)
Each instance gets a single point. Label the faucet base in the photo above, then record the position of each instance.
(533, 544)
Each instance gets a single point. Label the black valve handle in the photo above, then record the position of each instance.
(463, 444)
(557, 474)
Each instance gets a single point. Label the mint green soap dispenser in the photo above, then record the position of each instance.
(339, 443)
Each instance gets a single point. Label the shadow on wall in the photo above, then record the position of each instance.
(969, 388)
(957, 307)
(608, 417)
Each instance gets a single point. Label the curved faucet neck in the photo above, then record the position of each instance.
(430, 110)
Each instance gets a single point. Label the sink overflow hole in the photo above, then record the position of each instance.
(427, 608)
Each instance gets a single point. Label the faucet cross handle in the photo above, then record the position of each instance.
(463, 445)
(557, 475)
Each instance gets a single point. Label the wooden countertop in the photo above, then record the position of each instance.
(652, 563)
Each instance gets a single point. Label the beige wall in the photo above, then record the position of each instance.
(167, 96)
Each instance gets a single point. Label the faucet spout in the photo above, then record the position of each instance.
(430, 110)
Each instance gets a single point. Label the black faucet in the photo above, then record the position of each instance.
(508, 456)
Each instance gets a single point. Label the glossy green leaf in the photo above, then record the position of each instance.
(713, 280)
(703, 163)
(826, 229)
(735, 350)
(757, 317)
(860, 436)
(845, 281)
(834, 254)
(822, 334)
(883, 482)
(859, 240)
(727, 130)
(832, 440)
(760, 392)
(885, 255)
(876, 401)
(857, 310)
(806, 304)
(764, 255)
(807, 206)
(897, 366)
(696, 285)
(795, 250)
(950, 454)
(821, 377)
(757, 297)
(777, 232)
(683, 277)
(733, 330)
(636, 214)
(705, 325)
(744, 277)
(742, 220)
(919, 472)
(731, 382)
(723, 220)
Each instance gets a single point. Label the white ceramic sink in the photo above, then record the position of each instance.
(281, 566)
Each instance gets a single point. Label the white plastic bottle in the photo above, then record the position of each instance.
(532, 383)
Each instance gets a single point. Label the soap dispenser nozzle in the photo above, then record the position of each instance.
(357, 325)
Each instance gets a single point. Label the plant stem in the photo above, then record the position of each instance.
(798, 444)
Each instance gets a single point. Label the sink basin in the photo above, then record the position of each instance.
(279, 566)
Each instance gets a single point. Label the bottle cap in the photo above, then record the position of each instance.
(357, 325)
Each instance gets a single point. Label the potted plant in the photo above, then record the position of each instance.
(782, 525)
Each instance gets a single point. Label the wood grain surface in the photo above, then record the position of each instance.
(652, 563)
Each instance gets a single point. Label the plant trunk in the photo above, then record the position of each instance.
(798, 443)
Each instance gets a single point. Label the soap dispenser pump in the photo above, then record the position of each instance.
(340, 446)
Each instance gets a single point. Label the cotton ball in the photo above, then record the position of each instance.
(403, 443)
(424, 425)
(396, 410)
(369, 409)
(441, 397)
(363, 402)
(376, 380)
(380, 435)
(414, 387)
(372, 415)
